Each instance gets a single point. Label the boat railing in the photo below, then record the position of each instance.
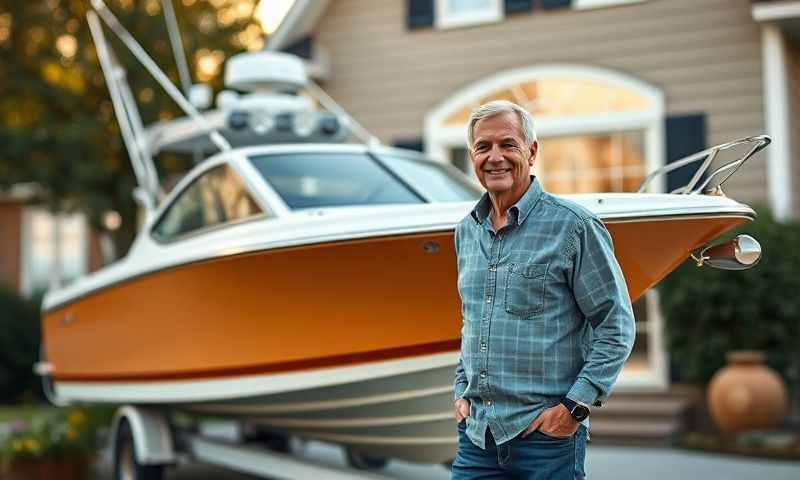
(698, 185)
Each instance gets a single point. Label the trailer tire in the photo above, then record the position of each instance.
(364, 462)
(126, 466)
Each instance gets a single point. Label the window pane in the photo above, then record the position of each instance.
(40, 262)
(433, 180)
(613, 162)
(467, 6)
(332, 179)
(216, 197)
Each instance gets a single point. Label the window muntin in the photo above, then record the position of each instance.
(315, 180)
(461, 13)
(216, 197)
(437, 182)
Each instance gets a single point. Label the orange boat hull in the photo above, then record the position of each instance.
(306, 307)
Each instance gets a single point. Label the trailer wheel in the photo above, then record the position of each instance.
(364, 462)
(126, 467)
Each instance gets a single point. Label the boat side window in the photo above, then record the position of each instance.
(214, 198)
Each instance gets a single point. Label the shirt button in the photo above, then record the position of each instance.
(488, 403)
(492, 268)
(489, 299)
(483, 346)
(483, 373)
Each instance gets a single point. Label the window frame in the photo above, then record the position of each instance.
(444, 20)
(263, 215)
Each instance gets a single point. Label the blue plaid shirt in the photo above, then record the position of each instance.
(546, 312)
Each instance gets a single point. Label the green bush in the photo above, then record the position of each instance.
(52, 434)
(19, 347)
(710, 312)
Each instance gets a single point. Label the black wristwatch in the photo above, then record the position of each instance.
(578, 411)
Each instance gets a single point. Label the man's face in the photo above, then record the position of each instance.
(501, 160)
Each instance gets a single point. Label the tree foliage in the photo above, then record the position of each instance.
(57, 126)
(710, 312)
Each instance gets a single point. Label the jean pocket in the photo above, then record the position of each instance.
(540, 435)
(525, 289)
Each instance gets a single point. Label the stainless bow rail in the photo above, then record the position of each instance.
(725, 171)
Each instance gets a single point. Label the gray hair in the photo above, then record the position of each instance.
(497, 107)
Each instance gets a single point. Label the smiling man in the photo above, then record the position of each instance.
(547, 320)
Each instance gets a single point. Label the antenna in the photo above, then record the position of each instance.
(151, 66)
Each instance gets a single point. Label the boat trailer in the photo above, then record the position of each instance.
(144, 442)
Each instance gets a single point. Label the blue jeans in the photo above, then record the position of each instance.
(535, 457)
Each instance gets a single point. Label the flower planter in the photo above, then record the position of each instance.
(61, 469)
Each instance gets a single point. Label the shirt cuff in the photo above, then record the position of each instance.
(459, 390)
(583, 391)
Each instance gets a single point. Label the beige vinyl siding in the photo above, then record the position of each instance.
(705, 56)
(793, 74)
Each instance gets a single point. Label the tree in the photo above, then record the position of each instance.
(57, 125)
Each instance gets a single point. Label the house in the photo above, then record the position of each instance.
(617, 88)
(39, 247)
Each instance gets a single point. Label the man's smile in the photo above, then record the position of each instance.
(500, 171)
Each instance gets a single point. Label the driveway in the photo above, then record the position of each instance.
(603, 463)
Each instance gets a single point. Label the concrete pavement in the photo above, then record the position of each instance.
(603, 463)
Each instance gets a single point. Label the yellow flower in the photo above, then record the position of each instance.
(71, 434)
(76, 418)
(31, 445)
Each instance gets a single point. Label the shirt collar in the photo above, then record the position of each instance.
(520, 210)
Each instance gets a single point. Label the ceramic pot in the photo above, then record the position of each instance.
(746, 395)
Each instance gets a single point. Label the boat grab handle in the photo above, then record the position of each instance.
(708, 155)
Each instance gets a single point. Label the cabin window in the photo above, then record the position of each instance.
(316, 180)
(216, 197)
(461, 13)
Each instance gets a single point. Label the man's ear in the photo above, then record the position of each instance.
(534, 150)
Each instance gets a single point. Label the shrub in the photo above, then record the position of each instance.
(51, 435)
(709, 312)
(19, 346)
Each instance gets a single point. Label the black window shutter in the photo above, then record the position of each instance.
(548, 4)
(303, 48)
(518, 6)
(686, 134)
(420, 13)
(409, 144)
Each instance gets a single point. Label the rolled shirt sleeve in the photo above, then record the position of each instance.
(602, 296)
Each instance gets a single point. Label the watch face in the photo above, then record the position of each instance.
(580, 413)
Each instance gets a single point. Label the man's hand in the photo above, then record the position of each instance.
(462, 409)
(555, 421)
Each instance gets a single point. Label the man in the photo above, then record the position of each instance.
(547, 320)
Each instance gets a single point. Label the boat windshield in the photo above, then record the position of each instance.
(331, 179)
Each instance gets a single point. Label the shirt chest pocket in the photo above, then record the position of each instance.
(525, 289)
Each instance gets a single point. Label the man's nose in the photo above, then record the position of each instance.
(495, 154)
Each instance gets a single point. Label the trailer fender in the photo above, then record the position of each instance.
(152, 437)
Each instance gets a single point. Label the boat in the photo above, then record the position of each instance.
(308, 286)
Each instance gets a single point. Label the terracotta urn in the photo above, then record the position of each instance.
(746, 395)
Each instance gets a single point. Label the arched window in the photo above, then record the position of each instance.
(600, 131)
